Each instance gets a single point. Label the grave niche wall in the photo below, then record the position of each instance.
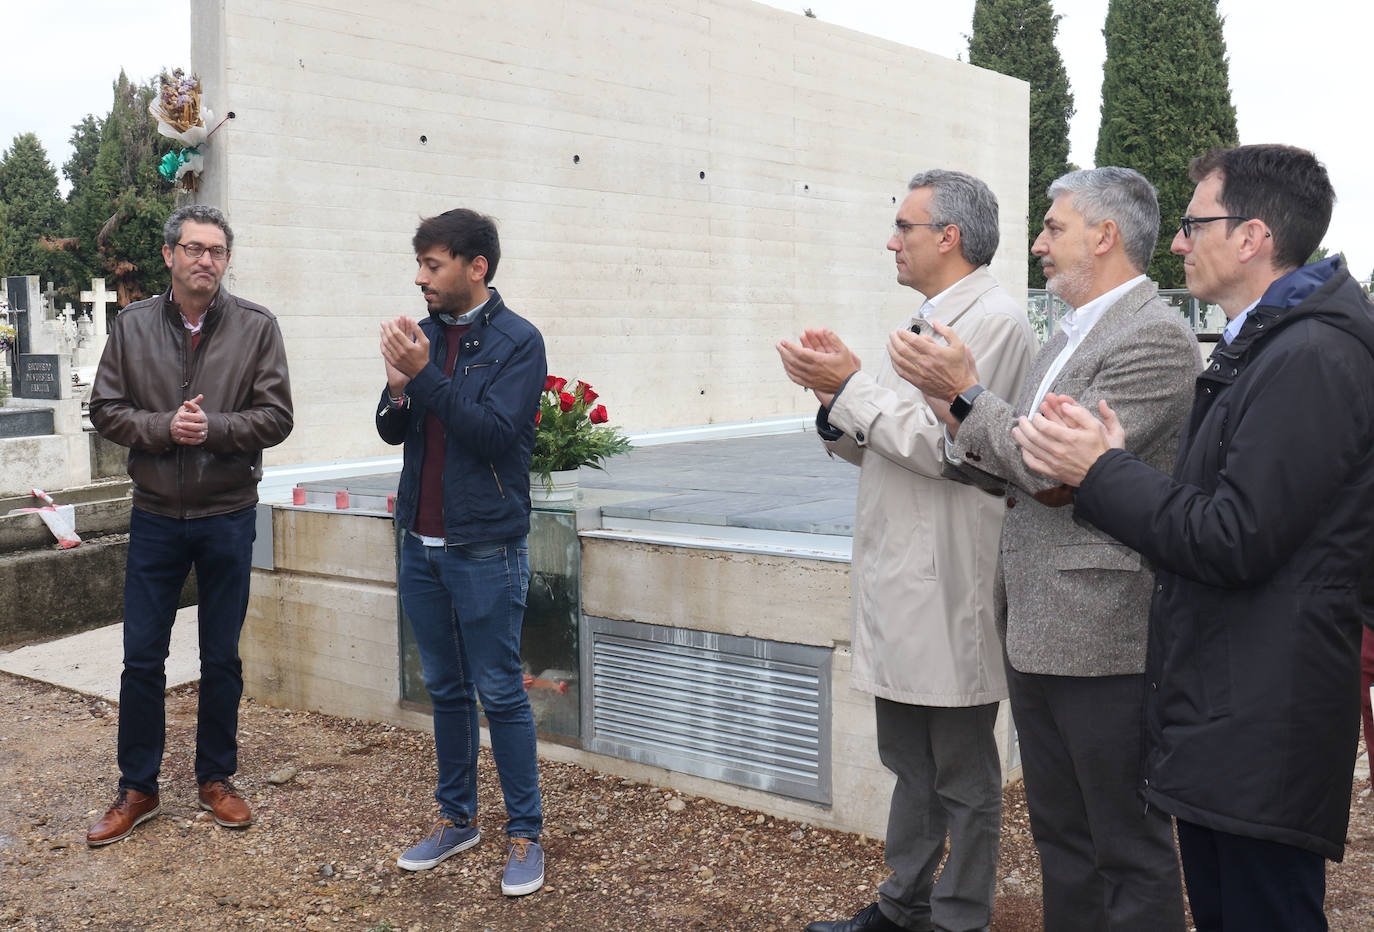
(678, 185)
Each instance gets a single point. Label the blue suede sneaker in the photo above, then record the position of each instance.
(445, 839)
(524, 869)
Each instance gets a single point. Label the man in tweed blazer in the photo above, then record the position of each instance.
(1076, 601)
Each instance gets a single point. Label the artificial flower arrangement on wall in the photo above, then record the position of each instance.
(182, 117)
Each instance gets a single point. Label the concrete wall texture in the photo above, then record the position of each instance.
(678, 186)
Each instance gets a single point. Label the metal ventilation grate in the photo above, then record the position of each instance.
(740, 710)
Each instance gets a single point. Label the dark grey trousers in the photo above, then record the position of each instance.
(949, 782)
(1107, 864)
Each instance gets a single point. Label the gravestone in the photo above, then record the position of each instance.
(25, 422)
(39, 377)
(43, 369)
(25, 301)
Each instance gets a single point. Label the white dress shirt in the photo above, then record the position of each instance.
(1076, 325)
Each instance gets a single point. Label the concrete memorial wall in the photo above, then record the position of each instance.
(678, 186)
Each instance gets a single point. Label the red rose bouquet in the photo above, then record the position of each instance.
(570, 431)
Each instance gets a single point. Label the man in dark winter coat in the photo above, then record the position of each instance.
(1260, 538)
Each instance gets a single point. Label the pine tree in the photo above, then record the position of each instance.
(1016, 38)
(33, 208)
(1166, 98)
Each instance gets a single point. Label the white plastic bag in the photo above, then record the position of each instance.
(60, 519)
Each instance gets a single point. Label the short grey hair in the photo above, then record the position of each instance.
(196, 213)
(967, 203)
(1122, 195)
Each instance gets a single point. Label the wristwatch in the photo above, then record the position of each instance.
(963, 402)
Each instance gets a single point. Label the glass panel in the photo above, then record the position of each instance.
(549, 647)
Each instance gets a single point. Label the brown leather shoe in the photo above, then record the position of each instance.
(129, 809)
(230, 809)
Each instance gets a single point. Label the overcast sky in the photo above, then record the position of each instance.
(1296, 77)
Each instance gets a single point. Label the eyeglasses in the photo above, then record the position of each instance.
(196, 250)
(1186, 224)
(902, 226)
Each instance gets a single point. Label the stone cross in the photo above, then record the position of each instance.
(98, 298)
(50, 302)
(68, 320)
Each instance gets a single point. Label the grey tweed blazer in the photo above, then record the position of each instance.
(1073, 601)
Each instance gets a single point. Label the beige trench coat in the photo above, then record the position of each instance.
(925, 546)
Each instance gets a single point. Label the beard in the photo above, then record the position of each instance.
(1070, 284)
(452, 303)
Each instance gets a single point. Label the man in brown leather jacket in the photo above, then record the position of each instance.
(194, 383)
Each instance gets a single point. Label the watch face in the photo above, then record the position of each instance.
(963, 403)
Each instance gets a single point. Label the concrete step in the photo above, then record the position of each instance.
(90, 662)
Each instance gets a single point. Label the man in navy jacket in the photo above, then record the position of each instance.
(463, 387)
(1260, 538)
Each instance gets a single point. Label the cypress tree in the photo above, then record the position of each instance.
(1166, 98)
(1016, 38)
(82, 263)
(118, 202)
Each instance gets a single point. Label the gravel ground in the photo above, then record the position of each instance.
(621, 855)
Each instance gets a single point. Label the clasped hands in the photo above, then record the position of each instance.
(190, 427)
(405, 351)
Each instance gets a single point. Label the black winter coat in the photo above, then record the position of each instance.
(1260, 539)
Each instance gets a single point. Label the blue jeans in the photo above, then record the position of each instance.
(161, 554)
(466, 604)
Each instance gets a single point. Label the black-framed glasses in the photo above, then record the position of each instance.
(1186, 224)
(196, 250)
(901, 226)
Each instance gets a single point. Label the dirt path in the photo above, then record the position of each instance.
(622, 855)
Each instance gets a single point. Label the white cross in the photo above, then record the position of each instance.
(98, 297)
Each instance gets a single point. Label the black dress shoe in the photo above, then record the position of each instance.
(868, 919)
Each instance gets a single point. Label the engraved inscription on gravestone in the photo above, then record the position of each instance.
(39, 377)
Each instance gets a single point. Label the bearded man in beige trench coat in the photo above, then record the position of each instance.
(925, 555)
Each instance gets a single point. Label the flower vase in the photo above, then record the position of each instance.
(562, 486)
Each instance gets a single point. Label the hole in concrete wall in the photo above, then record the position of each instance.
(894, 200)
(703, 391)
(576, 159)
(423, 140)
(806, 187)
(701, 175)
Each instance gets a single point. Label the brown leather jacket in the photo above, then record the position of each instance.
(147, 371)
